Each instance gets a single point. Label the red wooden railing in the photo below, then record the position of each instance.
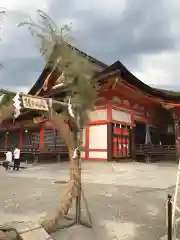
(150, 149)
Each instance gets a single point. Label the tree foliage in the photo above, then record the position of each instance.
(2, 14)
(6, 107)
(6, 97)
(76, 73)
(57, 50)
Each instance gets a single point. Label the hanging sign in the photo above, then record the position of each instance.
(35, 103)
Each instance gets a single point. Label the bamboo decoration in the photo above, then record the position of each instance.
(69, 115)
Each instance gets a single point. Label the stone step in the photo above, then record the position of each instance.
(36, 234)
(27, 231)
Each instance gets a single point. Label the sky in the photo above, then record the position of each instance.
(144, 35)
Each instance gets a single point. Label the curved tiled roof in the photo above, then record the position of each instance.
(39, 83)
(114, 69)
(118, 67)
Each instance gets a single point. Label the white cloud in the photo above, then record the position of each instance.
(23, 89)
(27, 6)
(103, 8)
(160, 69)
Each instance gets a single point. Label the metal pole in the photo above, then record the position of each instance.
(169, 217)
(78, 198)
(176, 193)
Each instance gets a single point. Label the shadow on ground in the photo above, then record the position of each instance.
(122, 212)
(118, 211)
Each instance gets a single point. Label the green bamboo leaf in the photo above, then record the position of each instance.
(60, 53)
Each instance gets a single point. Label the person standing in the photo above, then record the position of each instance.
(8, 160)
(16, 159)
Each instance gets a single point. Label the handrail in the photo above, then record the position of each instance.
(151, 146)
(150, 149)
(61, 150)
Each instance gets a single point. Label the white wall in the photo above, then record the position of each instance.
(98, 136)
(98, 140)
(94, 154)
(82, 154)
(119, 115)
(100, 114)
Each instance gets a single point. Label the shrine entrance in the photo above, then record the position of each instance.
(139, 133)
(152, 144)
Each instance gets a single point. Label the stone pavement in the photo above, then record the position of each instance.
(128, 174)
(127, 200)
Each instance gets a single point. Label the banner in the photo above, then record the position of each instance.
(34, 103)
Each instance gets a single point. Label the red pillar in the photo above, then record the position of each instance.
(20, 139)
(109, 112)
(109, 133)
(86, 142)
(132, 135)
(6, 140)
(41, 136)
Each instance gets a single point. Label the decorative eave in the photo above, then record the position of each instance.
(118, 68)
(37, 88)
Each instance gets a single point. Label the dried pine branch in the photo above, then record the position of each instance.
(76, 73)
(57, 51)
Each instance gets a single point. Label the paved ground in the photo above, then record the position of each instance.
(127, 200)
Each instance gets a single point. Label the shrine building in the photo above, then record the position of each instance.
(131, 120)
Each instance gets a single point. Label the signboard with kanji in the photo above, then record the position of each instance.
(35, 103)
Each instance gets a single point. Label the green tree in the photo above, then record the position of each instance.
(6, 107)
(76, 74)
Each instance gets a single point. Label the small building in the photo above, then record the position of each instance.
(130, 120)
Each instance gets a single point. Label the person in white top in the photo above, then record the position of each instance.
(16, 159)
(8, 160)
